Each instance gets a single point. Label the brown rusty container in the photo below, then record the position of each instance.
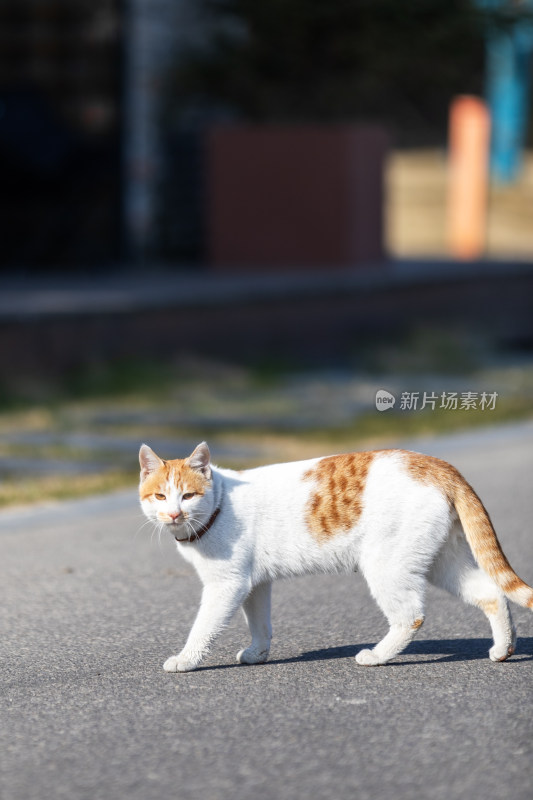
(295, 197)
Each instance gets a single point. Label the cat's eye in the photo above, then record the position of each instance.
(159, 496)
(188, 495)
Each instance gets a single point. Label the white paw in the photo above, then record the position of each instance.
(501, 653)
(367, 658)
(180, 663)
(252, 656)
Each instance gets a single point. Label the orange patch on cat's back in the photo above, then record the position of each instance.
(336, 502)
(179, 473)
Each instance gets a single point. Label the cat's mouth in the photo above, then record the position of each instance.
(173, 524)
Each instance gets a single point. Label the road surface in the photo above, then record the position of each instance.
(93, 604)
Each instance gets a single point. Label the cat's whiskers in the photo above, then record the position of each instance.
(141, 527)
(189, 520)
(157, 527)
(154, 529)
(189, 524)
(159, 531)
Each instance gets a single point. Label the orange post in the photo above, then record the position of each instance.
(469, 142)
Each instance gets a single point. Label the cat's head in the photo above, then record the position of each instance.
(177, 493)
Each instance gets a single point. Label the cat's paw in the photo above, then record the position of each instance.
(367, 658)
(252, 656)
(171, 664)
(180, 663)
(503, 651)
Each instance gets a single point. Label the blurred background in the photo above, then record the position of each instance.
(240, 221)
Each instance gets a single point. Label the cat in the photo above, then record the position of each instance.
(399, 517)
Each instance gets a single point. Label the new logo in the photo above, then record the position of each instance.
(384, 400)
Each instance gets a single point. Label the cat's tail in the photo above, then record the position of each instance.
(485, 546)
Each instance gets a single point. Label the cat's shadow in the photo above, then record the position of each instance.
(431, 651)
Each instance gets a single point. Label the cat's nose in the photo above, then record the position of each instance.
(174, 515)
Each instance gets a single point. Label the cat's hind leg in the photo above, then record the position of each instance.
(401, 598)
(456, 571)
(256, 610)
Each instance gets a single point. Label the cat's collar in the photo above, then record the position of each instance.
(202, 529)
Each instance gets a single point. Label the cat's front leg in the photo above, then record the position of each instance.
(219, 602)
(256, 609)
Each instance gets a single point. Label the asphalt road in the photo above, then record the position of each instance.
(92, 605)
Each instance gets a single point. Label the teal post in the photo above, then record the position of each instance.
(509, 49)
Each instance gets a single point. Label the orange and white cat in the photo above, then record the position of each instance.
(401, 518)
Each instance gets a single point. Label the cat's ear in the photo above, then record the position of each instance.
(200, 460)
(149, 461)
